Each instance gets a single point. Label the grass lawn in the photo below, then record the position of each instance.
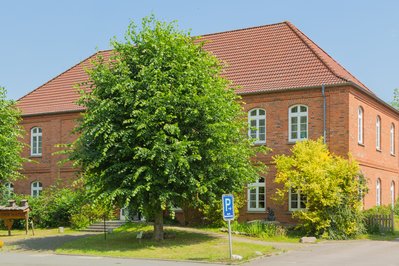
(180, 245)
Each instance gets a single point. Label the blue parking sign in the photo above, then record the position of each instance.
(228, 207)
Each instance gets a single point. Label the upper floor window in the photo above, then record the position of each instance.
(298, 122)
(392, 139)
(378, 192)
(36, 141)
(257, 125)
(9, 188)
(393, 194)
(36, 188)
(378, 133)
(360, 125)
(257, 195)
(297, 200)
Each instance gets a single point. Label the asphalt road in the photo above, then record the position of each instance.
(47, 259)
(338, 253)
(341, 253)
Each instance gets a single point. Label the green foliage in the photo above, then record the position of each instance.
(395, 102)
(331, 185)
(161, 127)
(396, 207)
(375, 211)
(259, 229)
(10, 144)
(61, 207)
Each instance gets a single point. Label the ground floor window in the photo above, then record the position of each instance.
(257, 195)
(297, 201)
(36, 189)
(9, 188)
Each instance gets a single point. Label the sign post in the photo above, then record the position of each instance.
(228, 215)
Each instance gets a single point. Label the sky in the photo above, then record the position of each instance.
(41, 39)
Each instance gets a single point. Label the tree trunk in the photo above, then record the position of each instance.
(158, 225)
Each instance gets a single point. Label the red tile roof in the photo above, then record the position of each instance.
(258, 59)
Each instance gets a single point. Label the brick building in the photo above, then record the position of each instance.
(292, 90)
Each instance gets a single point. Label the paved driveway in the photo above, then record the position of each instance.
(338, 253)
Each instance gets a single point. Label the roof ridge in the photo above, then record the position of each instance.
(75, 65)
(241, 29)
(307, 40)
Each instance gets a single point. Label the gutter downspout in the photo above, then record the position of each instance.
(324, 113)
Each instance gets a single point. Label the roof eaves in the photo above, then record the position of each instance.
(55, 112)
(294, 88)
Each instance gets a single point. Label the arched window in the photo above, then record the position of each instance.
(392, 139)
(393, 194)
(9, 188)
(36, 141)
(378, 192)
(257, 125)
(298, 123)
(257, 195)
(360, 125)
(297, 200)
(36, 189)
(378, 133)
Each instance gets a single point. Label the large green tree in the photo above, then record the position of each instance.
(162, 128)
(10, 141)
(332, 185)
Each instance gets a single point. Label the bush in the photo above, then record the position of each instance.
(332, 186)
(61, 207)
(259, 229)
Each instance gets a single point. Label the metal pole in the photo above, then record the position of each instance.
(230, 244)
(105, 229)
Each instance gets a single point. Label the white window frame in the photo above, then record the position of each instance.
(38, 189)
(256, 186)
(300, 199)
(393, 194)
(298, 115)
(360, 125)
(9, 187)
(392, 139)
(257, 118)
(36, 141)
(378, 133)
(378, 192)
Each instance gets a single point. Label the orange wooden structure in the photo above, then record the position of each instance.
(13, 212)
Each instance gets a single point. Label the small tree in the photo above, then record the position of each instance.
(10, 141)
(395, 102)
(332, 187)
(161, 127)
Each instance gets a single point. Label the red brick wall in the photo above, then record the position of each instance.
(277, 106)
(342, 103)
(56, 129)
(374, 164)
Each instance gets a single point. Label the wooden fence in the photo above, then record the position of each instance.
(381, 222)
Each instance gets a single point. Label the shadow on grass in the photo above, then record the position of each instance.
(48, 243)
(125, 239)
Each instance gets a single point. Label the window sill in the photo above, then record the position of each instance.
(35, 156)
(379, 150)
(360, 144)
(254, 211)
(392, 154)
